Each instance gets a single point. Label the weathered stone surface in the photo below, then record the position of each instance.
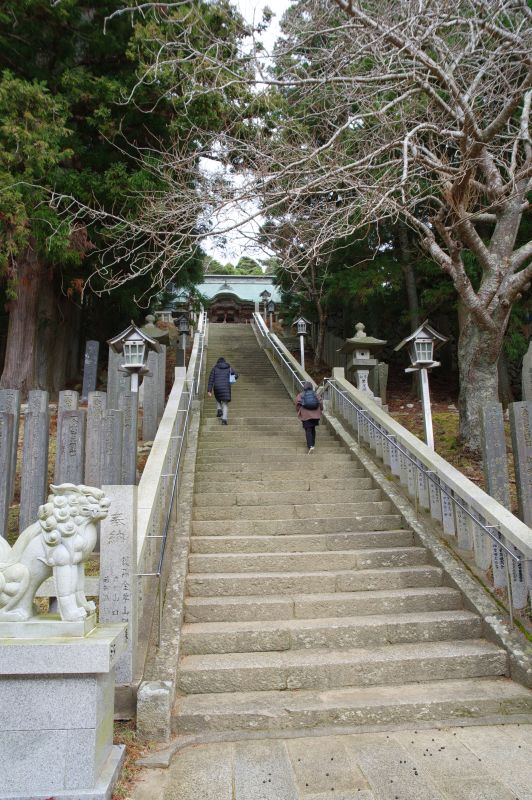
(117, 381)
(68, 401)
(526, 374)
(151, 398)
(96, 405)
(331, 669)
(90, 368)
(10, 404)
(182, 778)
(6, 460)
(154, 708)
(58, 694)
(343, 632)
(111, 447)
(128, 403)
(261, 769)
(118, 569)
(521, 429)
(70, 453)
(161, 382)
(34, 481)
(37, 401)
(495, 464)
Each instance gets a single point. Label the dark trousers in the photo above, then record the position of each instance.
(310, 431)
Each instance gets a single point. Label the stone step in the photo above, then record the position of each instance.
(302, 511)
(288, 420)
(280, 527)
(268, 447)
(332, 633)
(301, 542)
(214, 489)
(317, 606)
(268, 583)
(401, 704)
(313, 472)
(308, 562)
(270, 452)
(283, 498)
(332, 669)
(284, 459)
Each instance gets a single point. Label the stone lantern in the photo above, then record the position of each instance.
(134, 344)
(360, 350)
(421, 345)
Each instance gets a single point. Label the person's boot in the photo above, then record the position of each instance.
(219, 412)
(224, 422)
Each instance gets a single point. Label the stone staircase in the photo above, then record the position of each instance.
(308, 603)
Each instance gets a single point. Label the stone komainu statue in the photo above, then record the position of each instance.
(58, 543)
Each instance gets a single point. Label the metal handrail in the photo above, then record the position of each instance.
(491, 531)
(265, 333)
(426, 472)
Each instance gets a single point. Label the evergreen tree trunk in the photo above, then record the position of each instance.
(22, 334)
(322, 329)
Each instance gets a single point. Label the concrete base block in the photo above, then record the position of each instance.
(154, 708)
(47, 625)
(56, 716)
(102, 790)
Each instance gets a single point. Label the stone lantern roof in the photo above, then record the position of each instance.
(154, 332)
(117, 342)
(360, 341)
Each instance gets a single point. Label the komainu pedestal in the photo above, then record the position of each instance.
(56, 671)
(56, 713)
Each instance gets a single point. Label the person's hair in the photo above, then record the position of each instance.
(307, 385)
(220, 359)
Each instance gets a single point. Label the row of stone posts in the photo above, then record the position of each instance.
(495, 464)
(95, 446)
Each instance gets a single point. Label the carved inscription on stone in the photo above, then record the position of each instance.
(70, 456)
(118, 568)
(111, 447)
(90, 368)
(6, 442)
(128, 406)
(10, 404)
(95, 407)
(34, 482)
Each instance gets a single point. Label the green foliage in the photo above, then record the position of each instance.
(66, 125)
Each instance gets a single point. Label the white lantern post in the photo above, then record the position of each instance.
(134, 346)
(301, 325)
(184, 329)
(265, 296)
(421, 345)
(271, 309)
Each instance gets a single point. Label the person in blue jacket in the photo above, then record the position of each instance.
(220, 379)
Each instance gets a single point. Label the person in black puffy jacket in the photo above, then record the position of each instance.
(221, 385)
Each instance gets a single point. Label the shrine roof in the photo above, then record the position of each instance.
(244, 287)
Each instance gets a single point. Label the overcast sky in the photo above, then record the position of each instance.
(239, 243)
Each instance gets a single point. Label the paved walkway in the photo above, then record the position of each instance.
(476, 763)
